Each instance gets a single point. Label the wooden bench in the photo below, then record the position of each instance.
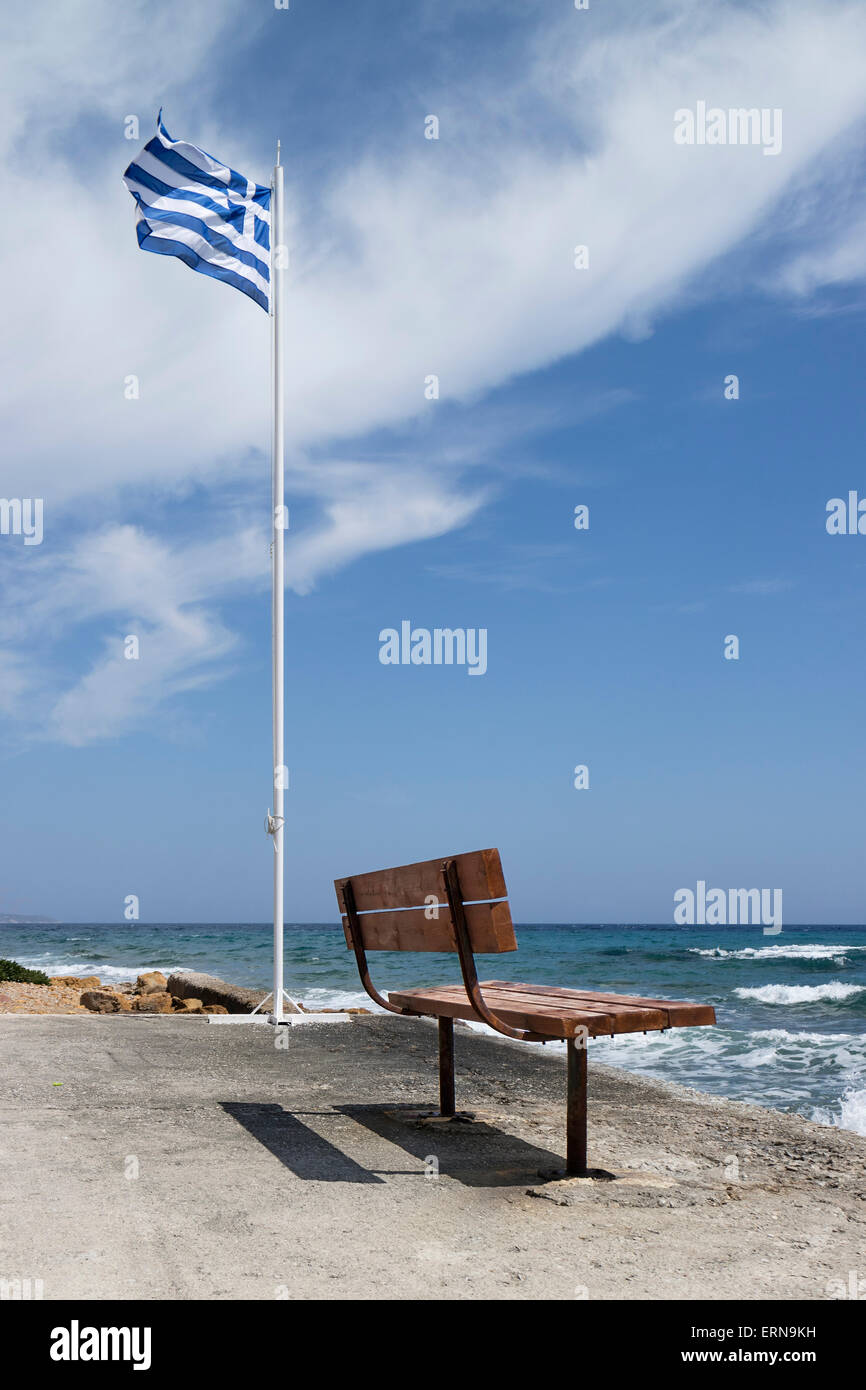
(459, 904)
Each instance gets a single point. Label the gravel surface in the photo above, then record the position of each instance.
(144, 1157)
(39, 999)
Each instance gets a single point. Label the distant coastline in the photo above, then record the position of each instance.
(11, 919)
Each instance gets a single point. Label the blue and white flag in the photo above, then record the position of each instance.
(191, 206)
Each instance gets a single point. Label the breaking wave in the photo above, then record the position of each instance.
(837, 954)
(833, 991)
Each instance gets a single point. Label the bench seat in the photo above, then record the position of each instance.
(460, 905)
(548, 1012)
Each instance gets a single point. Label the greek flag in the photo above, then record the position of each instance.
(192, 206)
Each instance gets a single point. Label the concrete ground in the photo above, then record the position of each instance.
(168, 1158)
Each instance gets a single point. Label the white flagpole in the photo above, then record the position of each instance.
(275, 822)
(278, 579)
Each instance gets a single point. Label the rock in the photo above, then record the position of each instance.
(102, 1001)
(561, 1199)
(221, 1009)
(151, 982)
(156, 1002)
(189, 984)
(77, 981)
(187, 1006)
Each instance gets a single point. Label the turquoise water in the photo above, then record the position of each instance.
(791, 1008)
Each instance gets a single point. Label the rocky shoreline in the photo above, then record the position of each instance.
(187, 993)
(80, 994)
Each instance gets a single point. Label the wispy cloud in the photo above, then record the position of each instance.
(532, 567)
(762, 587)
(126, 582)
(454, 260)
(839, 259)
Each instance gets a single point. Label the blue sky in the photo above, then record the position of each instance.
(558, 387)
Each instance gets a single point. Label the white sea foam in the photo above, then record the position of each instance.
(320, 998)
(851, 1113)
(807, 951)
(784, 1035)
(773, 1066)
(83, 968)
(834, 991)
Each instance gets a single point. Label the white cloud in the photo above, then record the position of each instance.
(17, 681)
(138, 586)
(166, 595)
(375, 509)
(455, 260)
(838, 259)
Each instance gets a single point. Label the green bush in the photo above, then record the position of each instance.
(11, 970)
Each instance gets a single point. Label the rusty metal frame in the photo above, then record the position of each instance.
(463, 944)
(575, 1112)
(575, 1162)
(575, 1115)
(447, 1104)
(360, 954)
(466, 955)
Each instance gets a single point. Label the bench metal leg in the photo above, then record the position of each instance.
(446, 1066)
(575, 1151)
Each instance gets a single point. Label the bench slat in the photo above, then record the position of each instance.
(556, 1013)
(547, 1007)
(457, 1005)
(638, 1015)
(408, 885)
(683, 1013)
(489, 925)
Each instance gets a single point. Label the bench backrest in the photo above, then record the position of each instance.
(406, 908)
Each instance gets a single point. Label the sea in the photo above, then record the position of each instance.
(791, 1008)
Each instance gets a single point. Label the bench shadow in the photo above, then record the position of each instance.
(299, 1148)
(475, 1154)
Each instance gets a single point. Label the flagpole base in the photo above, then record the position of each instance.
(298, 1020)
(239, 1018)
